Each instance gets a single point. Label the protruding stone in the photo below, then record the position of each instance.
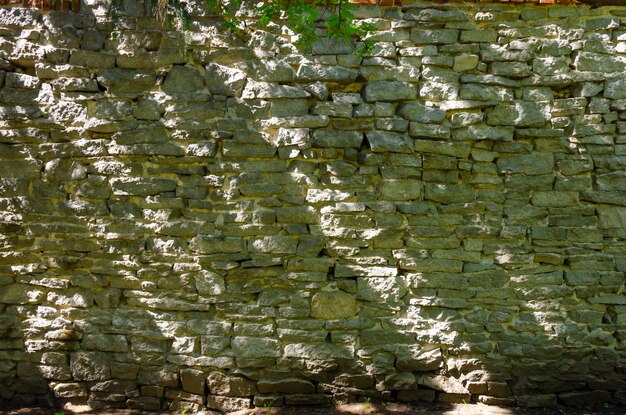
(331, 305)
(224, 80)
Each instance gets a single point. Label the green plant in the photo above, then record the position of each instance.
(184, 410)
(268, 407)
(59, 413)
(302, 16)
(368, 404)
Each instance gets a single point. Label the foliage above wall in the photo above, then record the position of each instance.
(309, 19)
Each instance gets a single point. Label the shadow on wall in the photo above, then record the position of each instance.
(249, 234)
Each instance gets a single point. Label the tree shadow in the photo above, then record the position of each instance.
(217, 229)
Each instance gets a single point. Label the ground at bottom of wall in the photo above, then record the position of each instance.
(351, 409)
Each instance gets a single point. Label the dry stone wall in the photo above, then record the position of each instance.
(216, 221)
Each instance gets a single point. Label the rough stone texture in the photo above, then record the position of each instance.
(212, 221)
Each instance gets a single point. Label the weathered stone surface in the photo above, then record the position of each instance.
(224, 80)
(611, 217)
(525, 114)
(89, 366)
(21, 294)
(221, 384)
(326, 73)
(529, 164)
(227, 404)
(421, 113)
(389, 91)
(198, 220)
(183, 79)
(209, 283)
(386, 141)
(379, 289)
(250, 347)
(332, 305)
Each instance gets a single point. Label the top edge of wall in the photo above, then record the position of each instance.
(74, 5)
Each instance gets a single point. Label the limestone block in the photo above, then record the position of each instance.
(209, 283)
(227, 404)
(511, 69)
(554, 198)
(438, 91)
(89, 366)
(319, 351)
(528, 164)
(19, 18)
(389, 91)
(223, 80)
(380, 289)
(332, 305)
(443, 384)
(383, 73)
(251, 347)
(465, 62)
(208, 244)
(429, 131)
(399, 189)
(611, 217)
(125, 82)
(395, 337)
(288, 385)
(269, 70)
(474, 91)
(69, 390)
(401, 381)
(105, 342)
(327, 46)
(615, 88)
(276, 244)
(339, 74)
(479, 36)
(221, 384)
(213, 345)
(337, 139)
(596, 62)
(414, 359)
(521, 114)
(183, 79)
(449, 193)
(420, 113)
(141, 186)
(20, 169)
(387, 141)
(438, 36)
(614, 181)
(326, 195)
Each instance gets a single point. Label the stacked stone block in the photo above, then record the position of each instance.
(208, 220)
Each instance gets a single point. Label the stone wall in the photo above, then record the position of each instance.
(219, 221)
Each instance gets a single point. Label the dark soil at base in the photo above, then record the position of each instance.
(352, 409)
